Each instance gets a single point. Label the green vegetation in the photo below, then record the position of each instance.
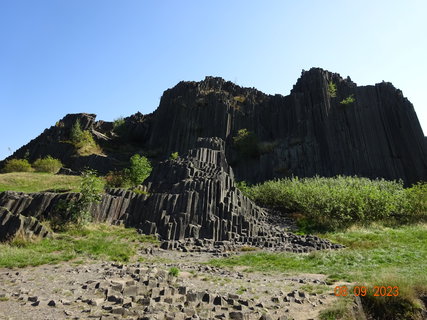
(324, 204)
(174, 156)
(240, 99)
(139, 170)
(332, 89)
(36, 182)
(174, 271)
(119, 126)
(75, 213)
(47, 164)
(373, 256)
(115, 179)
(339, 311)
(349, 100)
(98, 241)
(83, 141)
(246, 143)
(17, 165)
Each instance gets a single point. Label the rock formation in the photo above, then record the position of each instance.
(308, 132)
(193, 197)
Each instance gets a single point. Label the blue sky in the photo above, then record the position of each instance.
(115, 58)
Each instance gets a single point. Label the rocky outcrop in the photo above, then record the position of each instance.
(12, 225)
(188, 202)
(306, 133)
(309, 132)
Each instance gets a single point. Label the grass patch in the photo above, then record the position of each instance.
(375, 256)
(96, 241)
(339, 311)
(37, 181)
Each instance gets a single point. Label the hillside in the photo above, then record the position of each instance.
(326, 126)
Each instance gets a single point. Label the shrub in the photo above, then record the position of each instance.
(139, 170)
(332, 89)
(17, 165)
(115, 179)
(119, 126)
(47, 164)
(77, 212)
(349, 100)
(174, 156)
(76, 133)
(336, 203)
(246, 143)
(83, 141)
(174, 271)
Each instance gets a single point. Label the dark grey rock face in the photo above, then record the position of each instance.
(309, 132)
(12, 225)
(306, 133)
(188, 199)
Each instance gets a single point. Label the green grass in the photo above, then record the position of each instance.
(374, 256)
(37, 181)
(94, 242)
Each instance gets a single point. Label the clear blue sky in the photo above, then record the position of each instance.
(115, 58)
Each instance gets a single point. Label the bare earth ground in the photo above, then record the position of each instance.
(145, 290)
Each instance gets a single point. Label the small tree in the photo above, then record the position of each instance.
(246, 143)
(77, 212)
(332, 89)
(140, 169)
(76, 133)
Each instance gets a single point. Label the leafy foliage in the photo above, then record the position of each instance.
(246, 143)
(139, 170)
(119, 126)
(83, 140)
(336, 203)
(115, 179)
(76, 212)
(17, 165)
(174, 156)
(174, 271)
(47, 164)
(332, 89)
(349, 100)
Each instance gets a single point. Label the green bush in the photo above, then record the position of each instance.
(17, 165)
(349, 100)
(174, 271)
(174, 156)
(332, 89)
(119, 126)
(139, 170)
(246, 143)
(76, 212)
(116, 179)
(83, 141)
(336, 203)
(47, 164)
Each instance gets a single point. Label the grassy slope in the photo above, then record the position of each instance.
(373, 257)
(95, 241)
(36, 182)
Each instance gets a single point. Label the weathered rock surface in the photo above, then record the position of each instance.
(191, 203)
(12, 225)
(306, 133)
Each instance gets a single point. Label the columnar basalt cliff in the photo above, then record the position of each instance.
(192, 197)
(309, 132)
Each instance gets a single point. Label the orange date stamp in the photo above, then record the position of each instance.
(378, 291)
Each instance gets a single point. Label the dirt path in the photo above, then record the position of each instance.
(146, 290)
